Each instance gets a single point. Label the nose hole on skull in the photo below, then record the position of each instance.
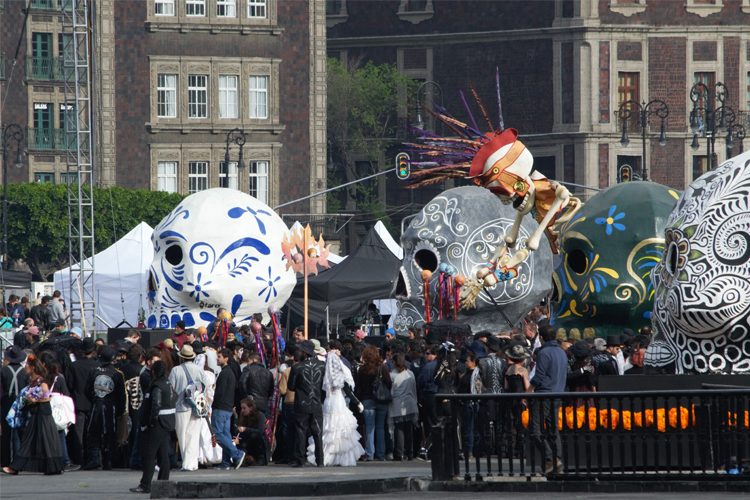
(672, 258)
(173, 254)
(426, 260)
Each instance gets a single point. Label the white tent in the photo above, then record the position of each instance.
(120, 278)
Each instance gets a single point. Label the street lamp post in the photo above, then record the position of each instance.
(707, 120)
(645, 110)
(237, 137)
(738, 131)
(422, 87)
(11, 133)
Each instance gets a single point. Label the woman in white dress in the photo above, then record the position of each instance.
(340, 437)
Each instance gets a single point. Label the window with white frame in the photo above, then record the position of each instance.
(258, 177)
(228, 177)
(195, 7)
(259, 97)
(257, 8)
(166, 95)
(197, 176)
(166, 176)
(228, 96)
(226, 8)
(197, 96)
(164, 7)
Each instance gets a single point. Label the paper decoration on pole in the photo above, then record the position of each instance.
(300, 242)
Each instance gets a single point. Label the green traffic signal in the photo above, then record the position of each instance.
(403, 166)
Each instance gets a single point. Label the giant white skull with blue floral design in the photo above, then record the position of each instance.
(218, 248)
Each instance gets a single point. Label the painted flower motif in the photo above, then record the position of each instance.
(198, 288)
(270, 283)
(611, 219)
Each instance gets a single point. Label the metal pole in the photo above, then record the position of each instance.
(5, 202)
(644, 168)
(304, 272)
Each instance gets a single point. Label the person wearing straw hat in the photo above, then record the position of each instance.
(189, 383)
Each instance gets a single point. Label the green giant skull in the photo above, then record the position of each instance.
(607, 252)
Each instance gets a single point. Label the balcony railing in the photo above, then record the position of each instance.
(50, 140)
(44, 4)
(44, 68)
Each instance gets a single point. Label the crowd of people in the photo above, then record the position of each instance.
(225, 397)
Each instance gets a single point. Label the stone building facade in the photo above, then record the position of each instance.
(171, 78)
(565, 67)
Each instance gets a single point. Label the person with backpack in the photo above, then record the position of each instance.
(189, 382)
(106, 391)
(13, 378)
(78, 377)
(157, 423)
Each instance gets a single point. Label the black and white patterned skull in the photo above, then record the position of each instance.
(701, 317)
(461, 228)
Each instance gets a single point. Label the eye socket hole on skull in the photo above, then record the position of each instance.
(426, 259)
(577, 261)
(173, 254)
(672, 258)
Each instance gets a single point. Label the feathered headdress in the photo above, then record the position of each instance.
(437, 158)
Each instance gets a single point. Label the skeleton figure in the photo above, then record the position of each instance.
(504, 166)
(501, 163)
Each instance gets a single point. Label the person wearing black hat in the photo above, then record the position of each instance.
(180, 334)
(306, 380)
(13, 378)
(491, 369)
(582, 375)
(78, 377)
(614, 347)
(105, 388)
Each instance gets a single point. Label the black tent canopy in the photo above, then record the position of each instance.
(369, 273)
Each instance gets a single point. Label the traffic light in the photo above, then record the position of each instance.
(403, 166)
(626, 173)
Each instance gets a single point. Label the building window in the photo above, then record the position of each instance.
(259, 97)
(415, 6)
(197, 176)
(628, 89)
(228, 96)
(166, 176)
(258, 185)
(164, 7)
(166, 96)
(41, 136)
(333, 7)
(197, 96)
(256, 8)
(195, 7)
(68, 178)
(228, 177)
(747, 93)
(707, 78)
(44, 177)
(226, 8)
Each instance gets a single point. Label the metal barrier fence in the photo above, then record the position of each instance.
(645, 435)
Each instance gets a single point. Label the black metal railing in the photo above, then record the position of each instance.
(644, 435)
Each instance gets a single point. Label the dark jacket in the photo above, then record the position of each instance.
(363, 384)
(605, 363)
(159, 408)
(111, 379)
(551, 368)
(79, 374)
(257, 382)
(6, 380)
(491, 371)
(426, 380)
(41, 316)
(226, 386)
(306, 380)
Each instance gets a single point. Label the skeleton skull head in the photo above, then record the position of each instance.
(459, 231)
(504, 166)
(218, 248)
(701, 317)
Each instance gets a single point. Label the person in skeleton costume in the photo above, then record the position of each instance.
(340, 437)
(106, 391)
(501, 163)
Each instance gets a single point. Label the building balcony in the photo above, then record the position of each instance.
(51, 4)
(54, 139)
(49, 69)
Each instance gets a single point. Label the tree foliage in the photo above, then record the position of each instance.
(38, 221)
(362, 123)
